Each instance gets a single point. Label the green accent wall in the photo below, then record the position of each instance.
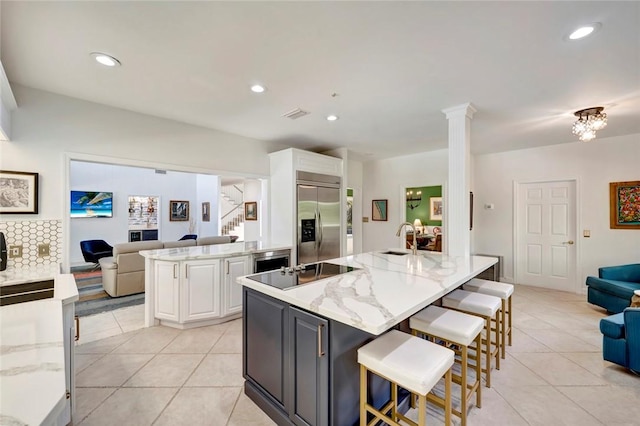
(422, 211)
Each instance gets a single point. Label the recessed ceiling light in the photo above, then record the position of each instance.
(257, 88)
(584, 31)
(106, 60)
(332, 117)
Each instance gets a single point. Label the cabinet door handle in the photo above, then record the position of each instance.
(227, 262)
(77, 320)
(320, 351)
(175, 275)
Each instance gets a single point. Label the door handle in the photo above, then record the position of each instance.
(320, 351)
(570, 242)
(320, 228)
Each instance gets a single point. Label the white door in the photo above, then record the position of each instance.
(546, 235)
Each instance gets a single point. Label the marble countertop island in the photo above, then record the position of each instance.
(32, 355)
(384, 291)
(212, 251)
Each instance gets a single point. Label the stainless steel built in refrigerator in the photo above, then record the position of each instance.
(318, 217)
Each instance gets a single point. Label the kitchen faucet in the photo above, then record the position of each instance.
(415, 239)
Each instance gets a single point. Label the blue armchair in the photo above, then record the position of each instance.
(613, 288)
(621, 338)
(93, 250)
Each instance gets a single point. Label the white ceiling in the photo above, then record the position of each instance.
(394, 66)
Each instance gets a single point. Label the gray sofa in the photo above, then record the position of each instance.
(123, 273)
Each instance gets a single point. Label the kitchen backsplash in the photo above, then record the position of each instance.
(30, 234)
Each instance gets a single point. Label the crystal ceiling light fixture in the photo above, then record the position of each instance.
(106, 60)
(590, 120)
(414, 198)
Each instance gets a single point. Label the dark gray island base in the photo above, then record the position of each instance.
(301, 368)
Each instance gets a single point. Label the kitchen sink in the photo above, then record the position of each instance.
(395, 253)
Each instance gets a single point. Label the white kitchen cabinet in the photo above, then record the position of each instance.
(200, 290)
(167, 290)
(234, 267)
(69, 329)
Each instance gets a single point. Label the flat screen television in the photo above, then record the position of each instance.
(91, 204)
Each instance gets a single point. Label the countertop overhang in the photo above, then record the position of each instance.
(387, 289)
(212, 251)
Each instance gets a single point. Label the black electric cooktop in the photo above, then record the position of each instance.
(286, 278)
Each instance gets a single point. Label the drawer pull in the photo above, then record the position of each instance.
(320, 351)
(77, 320)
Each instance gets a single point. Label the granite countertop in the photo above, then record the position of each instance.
(386, 289)
(212, 251)
(32, 364)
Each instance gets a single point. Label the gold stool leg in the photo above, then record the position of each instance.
(497, 349)
(510, 318)
(422, 410)
(487, 344)
(503, 328)
(447, 397)
(363, 395)
(479, 374)
(463, 385)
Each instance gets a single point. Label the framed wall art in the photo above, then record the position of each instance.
(206, 211)
(379, 210)
(435, 208)
(624, 205)
(251, 210)
(18, 192)
(178, 211)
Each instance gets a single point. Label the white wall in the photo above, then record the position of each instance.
(46, 125)
(387, 179)
(208, 190)
(252, 228)
(47, 128)
(593, 164)
(124, 181)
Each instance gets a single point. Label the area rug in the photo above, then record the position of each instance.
(93, 299)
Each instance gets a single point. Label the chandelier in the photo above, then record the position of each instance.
(589, 121)
(411, 198)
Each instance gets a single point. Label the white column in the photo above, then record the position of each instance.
(457, 237)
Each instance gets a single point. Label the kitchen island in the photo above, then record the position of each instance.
(300, 344)
(196, 286)
(37, 380)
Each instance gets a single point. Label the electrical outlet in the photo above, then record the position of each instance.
(43, 250)
(586, 233)
(15, 251)
(365, 219)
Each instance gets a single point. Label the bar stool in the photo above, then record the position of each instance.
(488, 308)
(455, 329)
(410, 362)
(504, 292)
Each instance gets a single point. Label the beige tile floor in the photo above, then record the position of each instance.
(553, 374)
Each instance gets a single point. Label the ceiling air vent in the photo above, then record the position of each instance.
(295, 113)
(161, 172)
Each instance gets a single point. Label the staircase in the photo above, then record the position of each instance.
(232, 220)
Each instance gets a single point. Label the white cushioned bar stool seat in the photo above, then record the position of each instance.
(410, 362)
(455, 329)
(488, 308)
(504, 291)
